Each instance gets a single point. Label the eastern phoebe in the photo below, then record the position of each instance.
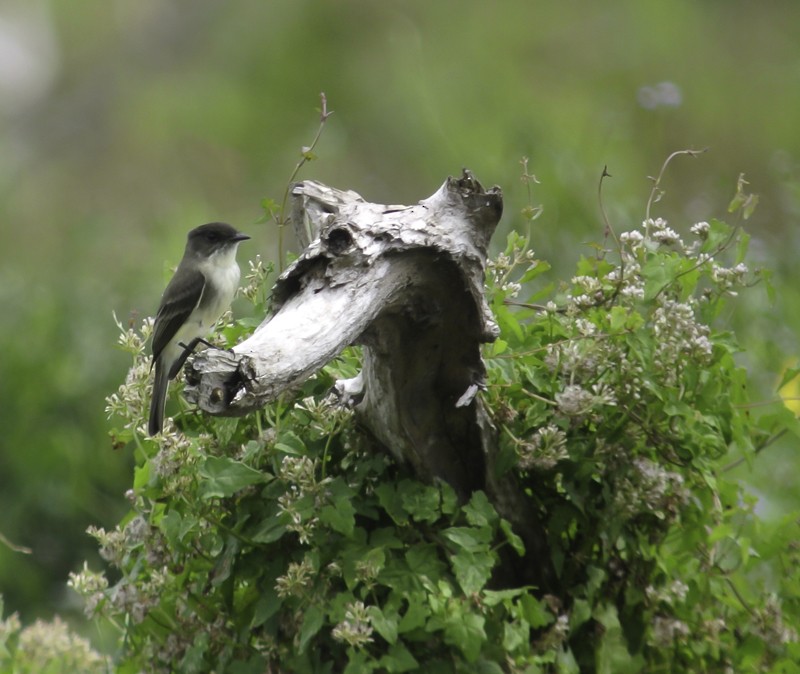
(200, 291)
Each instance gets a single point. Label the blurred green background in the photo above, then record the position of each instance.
(124, 124)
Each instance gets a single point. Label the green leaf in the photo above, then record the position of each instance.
(536, 268)
(340, 518)
(269, 206)
(416, 614)
(487, 667)
(728, 554)
(423, 561)
(193, 659)
(340, 515)
(788, 375)
(391, 502)
(313, 619)
(358, 662)
(465, 632)
(660, 271)
(499, 346)
(385, 625)
(612, 655)
(566, 662)
(268, 605)
(141, 476)
(581, 612)
(398, 659)
(271, 528)
(420, 501)
(718, 233)
(535, 611)
(515, 634)
(508, 323)
(473, 539)
(448, 499)
(479, 511)
(175, 527)
(255, 665)
(224, 429)
(617, 318)
(742, 245)
(495, 597)
(472, 570)
(361, 561)
(290, 443)
(223, 476)
(515, 541)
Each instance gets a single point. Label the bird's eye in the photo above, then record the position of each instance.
(212, 236)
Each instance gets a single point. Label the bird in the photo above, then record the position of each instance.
(201, 289)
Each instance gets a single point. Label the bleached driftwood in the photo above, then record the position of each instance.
(407, 284)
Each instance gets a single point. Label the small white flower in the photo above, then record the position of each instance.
(583, 301)
(667, 236)
(634, 238)
(634, 292)
(588, 284)
(355, 629)
(574, 401)
(512, 288)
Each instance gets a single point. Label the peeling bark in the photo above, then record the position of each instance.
(407, 284)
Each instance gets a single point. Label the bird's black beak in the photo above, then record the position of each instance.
(240, 237)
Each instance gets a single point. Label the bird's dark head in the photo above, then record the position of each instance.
(212, 237)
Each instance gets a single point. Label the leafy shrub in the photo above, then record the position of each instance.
(287, 542)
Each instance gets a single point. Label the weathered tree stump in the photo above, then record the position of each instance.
(407, 284)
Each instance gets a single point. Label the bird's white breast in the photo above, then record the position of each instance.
(222, 274)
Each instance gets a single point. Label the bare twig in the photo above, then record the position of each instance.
(14, 546)
(306, 155)
(655, 192)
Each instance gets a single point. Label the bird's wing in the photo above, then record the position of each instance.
(183, 292)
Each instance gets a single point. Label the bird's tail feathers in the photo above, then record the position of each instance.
(158, 399)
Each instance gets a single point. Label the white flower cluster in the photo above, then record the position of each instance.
(300, 474)
(176, 460)
(729, 277)
(50, 647)
(546, 448)
(501, 268)
(91, 586)
(770, 625)
(355, 630)
(297, 579)
(302, 525)
(700, 230)
(133, 396)
(680, 337)
(580, 297)
(657, 230)
(650, 489)
(674, 593)
(325, 415)
(668, 631)
(137, 598)
(299, 470)
(575, 360)
(576, 402)
(255, 279)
